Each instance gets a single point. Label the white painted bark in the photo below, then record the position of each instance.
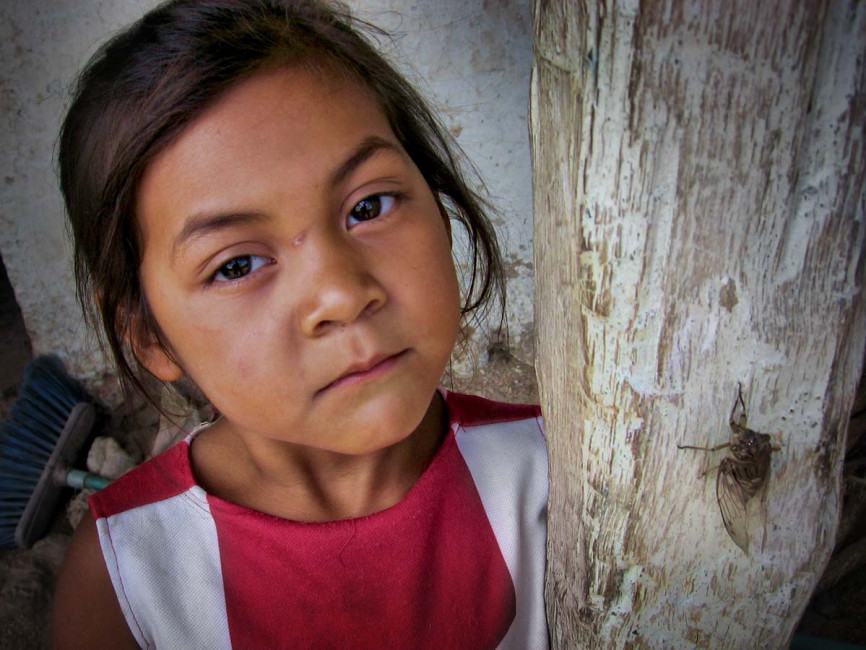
(699, 222)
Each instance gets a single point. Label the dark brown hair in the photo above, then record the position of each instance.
(148, 83)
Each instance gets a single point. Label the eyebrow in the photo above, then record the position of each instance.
(201, 225)
(367, 149)
(204, 224)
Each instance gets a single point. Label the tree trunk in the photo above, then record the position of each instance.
(699, 224)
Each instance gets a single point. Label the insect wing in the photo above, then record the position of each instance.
(732, 498)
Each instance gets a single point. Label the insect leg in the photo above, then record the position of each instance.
(710, 449)
(740, 423)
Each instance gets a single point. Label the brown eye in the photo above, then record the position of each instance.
(370, 208)
(239, 267)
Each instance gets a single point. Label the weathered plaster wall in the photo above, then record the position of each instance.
(42, 45)
(472, 57)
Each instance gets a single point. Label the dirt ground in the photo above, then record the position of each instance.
(28, 577)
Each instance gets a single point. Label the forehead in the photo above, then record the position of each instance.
(297, 123)
(304, 95)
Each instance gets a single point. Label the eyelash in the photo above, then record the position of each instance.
(251, 263)
(390, 200)
(380, 198)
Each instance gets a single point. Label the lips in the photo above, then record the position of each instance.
(366, 369)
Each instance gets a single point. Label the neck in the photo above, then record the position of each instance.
(308, 484)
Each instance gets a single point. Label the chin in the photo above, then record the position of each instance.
(379, 440)
(387, 425)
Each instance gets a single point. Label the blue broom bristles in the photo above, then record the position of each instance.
(28, 436)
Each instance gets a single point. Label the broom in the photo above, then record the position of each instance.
(39, 442)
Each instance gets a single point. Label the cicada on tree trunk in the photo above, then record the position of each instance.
(742, 474)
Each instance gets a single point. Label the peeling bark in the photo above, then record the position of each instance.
(699, 222)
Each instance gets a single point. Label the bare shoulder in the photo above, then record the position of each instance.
(86, 612)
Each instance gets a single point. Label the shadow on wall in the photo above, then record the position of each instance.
(15, 351)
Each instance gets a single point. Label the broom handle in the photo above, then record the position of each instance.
(78, 479)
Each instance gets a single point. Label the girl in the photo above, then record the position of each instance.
(261, 205)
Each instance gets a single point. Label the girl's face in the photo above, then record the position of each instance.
(299, 266)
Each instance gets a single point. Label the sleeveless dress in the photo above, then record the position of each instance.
(457, 563)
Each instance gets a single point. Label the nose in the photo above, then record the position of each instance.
(341, 288)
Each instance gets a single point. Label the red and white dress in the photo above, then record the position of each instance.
(457, 563)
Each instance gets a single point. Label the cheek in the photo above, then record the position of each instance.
(442, 293)
(452, 291)
(234, 349)
(448, 274)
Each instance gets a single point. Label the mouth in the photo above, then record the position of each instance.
(365, 370)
